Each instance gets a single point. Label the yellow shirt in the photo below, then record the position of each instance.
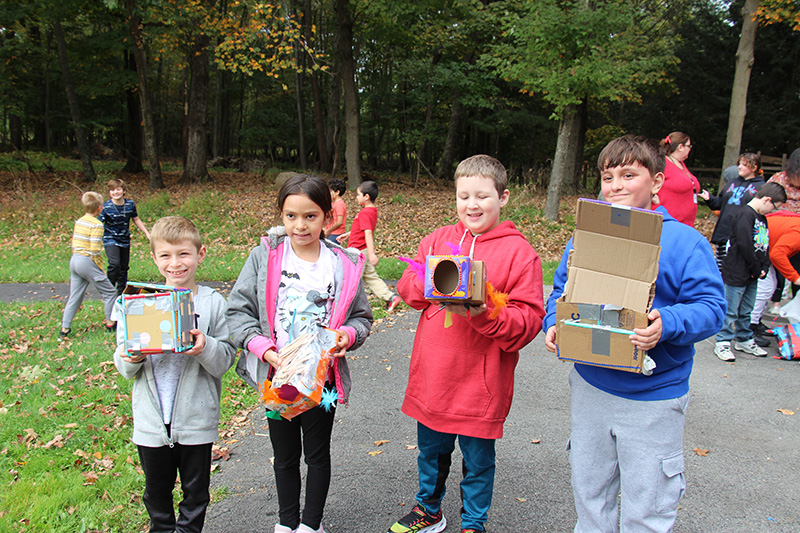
(87, 238)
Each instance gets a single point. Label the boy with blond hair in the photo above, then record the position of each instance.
(627, 428)
(176, 396)
(461, 376)
(86, 264)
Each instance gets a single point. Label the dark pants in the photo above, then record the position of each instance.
(119, 259)
(309, 432)
(161, 466)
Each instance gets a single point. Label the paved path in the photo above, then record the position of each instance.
(747, 482)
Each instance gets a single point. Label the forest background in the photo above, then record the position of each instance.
(354, 87)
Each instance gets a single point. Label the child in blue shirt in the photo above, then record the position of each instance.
(117, 215)
(627, 428)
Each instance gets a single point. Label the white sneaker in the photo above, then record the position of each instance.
(283, 529)
(723, 351)
(750, 347)
(305, 529)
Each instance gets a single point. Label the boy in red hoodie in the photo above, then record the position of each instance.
(461, 376)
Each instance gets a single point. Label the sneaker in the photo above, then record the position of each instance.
(419, 521)
(64, 333)
(393, 303)
(723, 351)
(283, 529)
(305, 529)
(761, 341)
(750, 347)
(762, 330)
(470, 530)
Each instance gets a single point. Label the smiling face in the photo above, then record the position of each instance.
(178, 262)
(117, 194)
(630, 185)
(303, 220)
(478, 203)
(745, 171)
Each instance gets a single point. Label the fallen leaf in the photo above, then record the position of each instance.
(71, 425)
(701, 453)
(380, 442)
(786, 411)
(411, 446)
(536, 441)
(376, 452)
(521, 499)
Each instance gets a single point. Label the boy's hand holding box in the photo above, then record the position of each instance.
(611, 277)
(157, 318)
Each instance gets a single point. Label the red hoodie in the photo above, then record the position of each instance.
(784, 242)
(461, 378)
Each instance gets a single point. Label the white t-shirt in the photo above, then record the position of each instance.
(305, 294)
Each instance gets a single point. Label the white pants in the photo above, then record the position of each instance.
(766, 287)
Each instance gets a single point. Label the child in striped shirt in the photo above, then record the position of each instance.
(86, 265)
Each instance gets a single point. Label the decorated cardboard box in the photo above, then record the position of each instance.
(299, 382)
(454, 279)
(157, 318)
(611, 275)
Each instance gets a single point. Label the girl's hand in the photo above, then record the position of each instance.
(704, 194)
(648, 337)
(342, 342)
(550, 339)
(199, 343)
(271, 357)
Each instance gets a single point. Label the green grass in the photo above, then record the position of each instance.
(67, 463)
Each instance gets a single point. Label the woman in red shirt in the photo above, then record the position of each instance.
(680, 190)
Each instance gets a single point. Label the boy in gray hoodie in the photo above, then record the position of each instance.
(176, 396)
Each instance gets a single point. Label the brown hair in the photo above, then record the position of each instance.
(114, 183)
(484, 166)
(173, 230)
(92, 201)
(671, 142)
(774, 191)
(793, 168)
(752, 161)
(630, 149)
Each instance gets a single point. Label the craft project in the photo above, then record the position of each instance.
(454, 278)
(298, 383)
(157, 318)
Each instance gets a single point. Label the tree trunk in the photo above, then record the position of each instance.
(352, 152)
(133, 126)
(563, 160)
(454, 133)
(221, 143)
(74, 108)
(196, 153)
(151, 147)
(741, 81)
(316, 92)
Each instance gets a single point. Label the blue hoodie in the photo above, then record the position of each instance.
(691, 298)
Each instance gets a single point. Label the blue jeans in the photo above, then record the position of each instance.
(435, 452)
(740, 305)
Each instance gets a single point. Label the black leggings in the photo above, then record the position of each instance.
(309, 432)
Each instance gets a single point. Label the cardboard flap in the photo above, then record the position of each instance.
(586, 286)
(619, 221)
(604, 253)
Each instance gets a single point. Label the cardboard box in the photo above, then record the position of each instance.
(157, 318)
(455, 279)
(611, 275)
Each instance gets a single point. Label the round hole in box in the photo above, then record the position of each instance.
(446, 277)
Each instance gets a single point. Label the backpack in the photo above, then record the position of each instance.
(788, 342)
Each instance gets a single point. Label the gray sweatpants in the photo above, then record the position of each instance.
(82, 272)
(628, 447)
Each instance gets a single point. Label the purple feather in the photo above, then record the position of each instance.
(417, 268)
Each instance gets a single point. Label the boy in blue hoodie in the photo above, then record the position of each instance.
(627, 428)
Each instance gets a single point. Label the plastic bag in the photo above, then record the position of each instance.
(300, 378)
(791, 311)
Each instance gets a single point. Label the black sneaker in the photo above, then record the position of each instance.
(762, 330)
(419, 521)
(64, 333)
